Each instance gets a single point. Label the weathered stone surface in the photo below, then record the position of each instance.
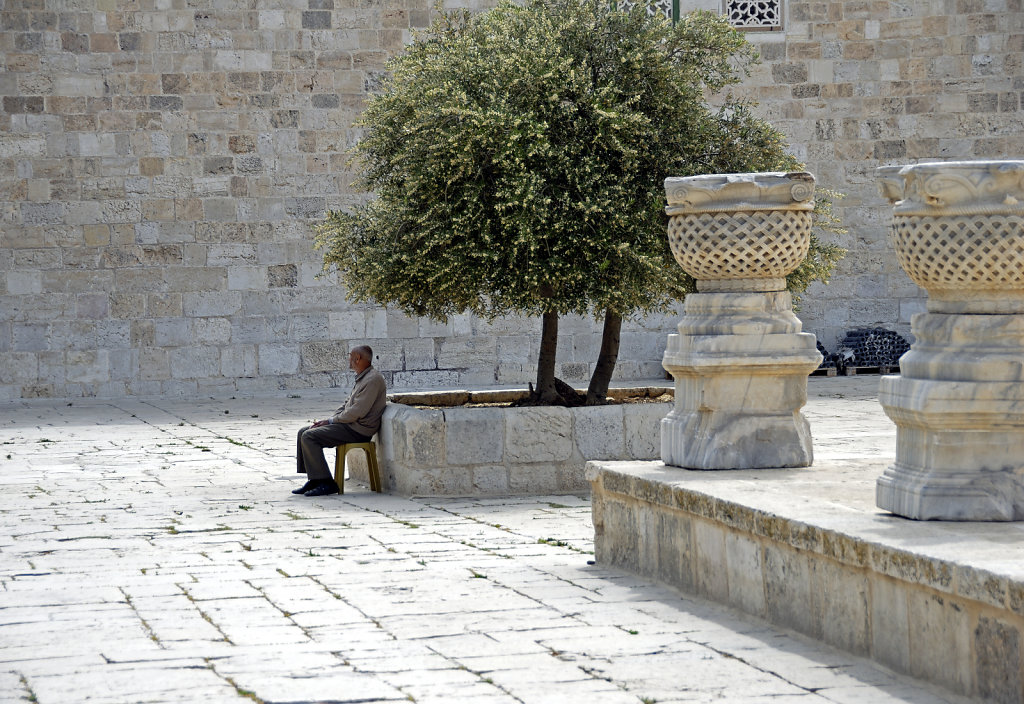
(474, 435)
(598, 431)
(494, 450)
(541, 434)
(957, 404)
(744, 573)
(996, 644)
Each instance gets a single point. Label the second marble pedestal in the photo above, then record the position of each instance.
(958, 406)
(739, 360)
(740, 363)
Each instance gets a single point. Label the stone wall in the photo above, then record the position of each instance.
(161, 162)
(856, 85)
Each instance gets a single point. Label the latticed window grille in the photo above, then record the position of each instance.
(666, 8)
(754, 14)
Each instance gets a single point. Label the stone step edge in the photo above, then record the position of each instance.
(964, 581)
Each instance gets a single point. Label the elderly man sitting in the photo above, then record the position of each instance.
(356, 421)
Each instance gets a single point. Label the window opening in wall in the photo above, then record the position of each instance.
(754, 14)
(669, 9)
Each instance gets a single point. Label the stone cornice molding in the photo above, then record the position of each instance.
(954, 188)
(776, 190)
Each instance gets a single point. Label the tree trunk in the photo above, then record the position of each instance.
(545, 392)
(597, 393)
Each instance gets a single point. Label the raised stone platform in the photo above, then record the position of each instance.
(807, 549)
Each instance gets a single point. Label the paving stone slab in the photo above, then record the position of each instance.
(131, 572)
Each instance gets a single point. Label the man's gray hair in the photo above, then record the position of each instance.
(365, 352)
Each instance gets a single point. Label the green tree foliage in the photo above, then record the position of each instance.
(517, 160)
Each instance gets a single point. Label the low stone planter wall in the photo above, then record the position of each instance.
(495, 451)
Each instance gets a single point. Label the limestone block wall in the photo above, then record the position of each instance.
(161, 162)
(856, 85)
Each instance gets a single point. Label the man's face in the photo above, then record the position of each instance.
(353, 361)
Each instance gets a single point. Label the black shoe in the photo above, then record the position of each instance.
(305, 487)
(325, 489)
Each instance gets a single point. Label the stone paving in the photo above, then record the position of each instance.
(150, 551)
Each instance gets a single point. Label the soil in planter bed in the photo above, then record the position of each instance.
(664, 398)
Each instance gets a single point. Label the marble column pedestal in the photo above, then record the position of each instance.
(959, 413)
(739, 361)
(740, 365)
(958, 230)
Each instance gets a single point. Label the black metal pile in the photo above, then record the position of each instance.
(828, 360)
(871, 347)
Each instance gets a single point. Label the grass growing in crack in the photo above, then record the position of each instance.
(28, 688)
(477, 575)
(205, 616)
(244, 507)
(201, 448)
(553, 541)
(241, 692)
(145, 624)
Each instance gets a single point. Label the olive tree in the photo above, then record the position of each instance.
(516, 159)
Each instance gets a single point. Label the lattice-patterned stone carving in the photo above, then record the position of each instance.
(958, 230)
(961, 251)
(740, 231)
(744, 245)
(754, 14)
(740, 361)
(958, 405)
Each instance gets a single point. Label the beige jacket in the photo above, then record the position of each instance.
(365, 405)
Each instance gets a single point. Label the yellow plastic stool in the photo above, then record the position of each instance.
(370, 448)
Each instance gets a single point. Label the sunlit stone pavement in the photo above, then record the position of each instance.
(151, 551)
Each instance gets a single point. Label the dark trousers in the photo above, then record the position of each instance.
(309, 453)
